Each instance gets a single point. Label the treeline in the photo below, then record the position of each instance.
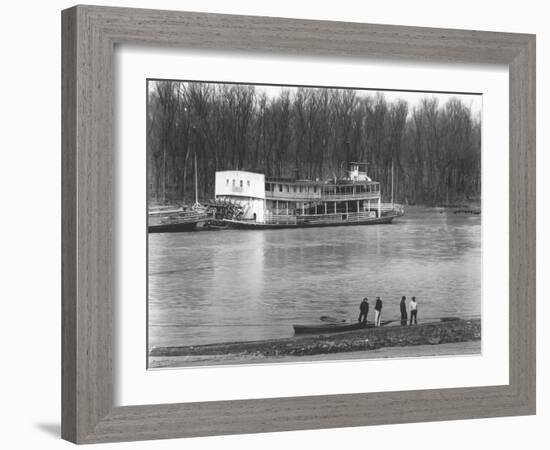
(433, 150)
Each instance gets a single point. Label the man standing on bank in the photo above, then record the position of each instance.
(364, 310)
(377, 312)
(403, 307)
(413, 307)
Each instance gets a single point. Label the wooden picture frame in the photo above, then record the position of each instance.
(90, 34)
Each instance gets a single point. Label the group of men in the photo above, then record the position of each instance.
(413, 310)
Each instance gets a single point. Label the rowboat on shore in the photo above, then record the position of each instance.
(334, 327)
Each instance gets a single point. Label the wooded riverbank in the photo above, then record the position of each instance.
(423, 152)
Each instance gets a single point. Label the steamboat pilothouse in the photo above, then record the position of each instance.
(288, 203)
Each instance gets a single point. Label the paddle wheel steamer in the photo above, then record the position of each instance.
(286, 203)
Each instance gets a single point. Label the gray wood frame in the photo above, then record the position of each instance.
(89, 36)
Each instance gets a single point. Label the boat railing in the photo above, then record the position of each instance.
(276, 195)
(334, 197)
(280, 219)
(286, 219)
(178, 217)
(321, 196)
(395, 208)
(165, 211)
(285, 212)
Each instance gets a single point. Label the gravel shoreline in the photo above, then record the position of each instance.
(429, 339)
(464, 349)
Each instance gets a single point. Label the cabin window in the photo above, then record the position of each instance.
(267, 187)
(280, 188)
(233, 182)
(314, 189)
(241, 183)
(227, 181)
(248, 183)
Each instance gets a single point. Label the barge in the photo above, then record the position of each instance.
(163, 219)
(289, 203)
(176, 220)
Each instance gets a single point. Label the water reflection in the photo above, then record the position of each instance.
(242, 285)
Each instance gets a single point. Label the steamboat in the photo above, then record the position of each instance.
(287, 203)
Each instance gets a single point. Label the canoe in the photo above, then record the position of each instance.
(334, 327)
(331, 319)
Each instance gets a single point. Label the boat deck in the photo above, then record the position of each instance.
(175, 221)
(295, 222)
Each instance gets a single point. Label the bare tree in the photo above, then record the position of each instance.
(425, 154)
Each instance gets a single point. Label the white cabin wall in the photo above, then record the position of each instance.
(253, 184)
(251, 196)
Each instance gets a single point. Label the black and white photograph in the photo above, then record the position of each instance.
(292, 224)
(275, 225)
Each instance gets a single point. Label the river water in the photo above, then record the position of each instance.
(240, 285)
